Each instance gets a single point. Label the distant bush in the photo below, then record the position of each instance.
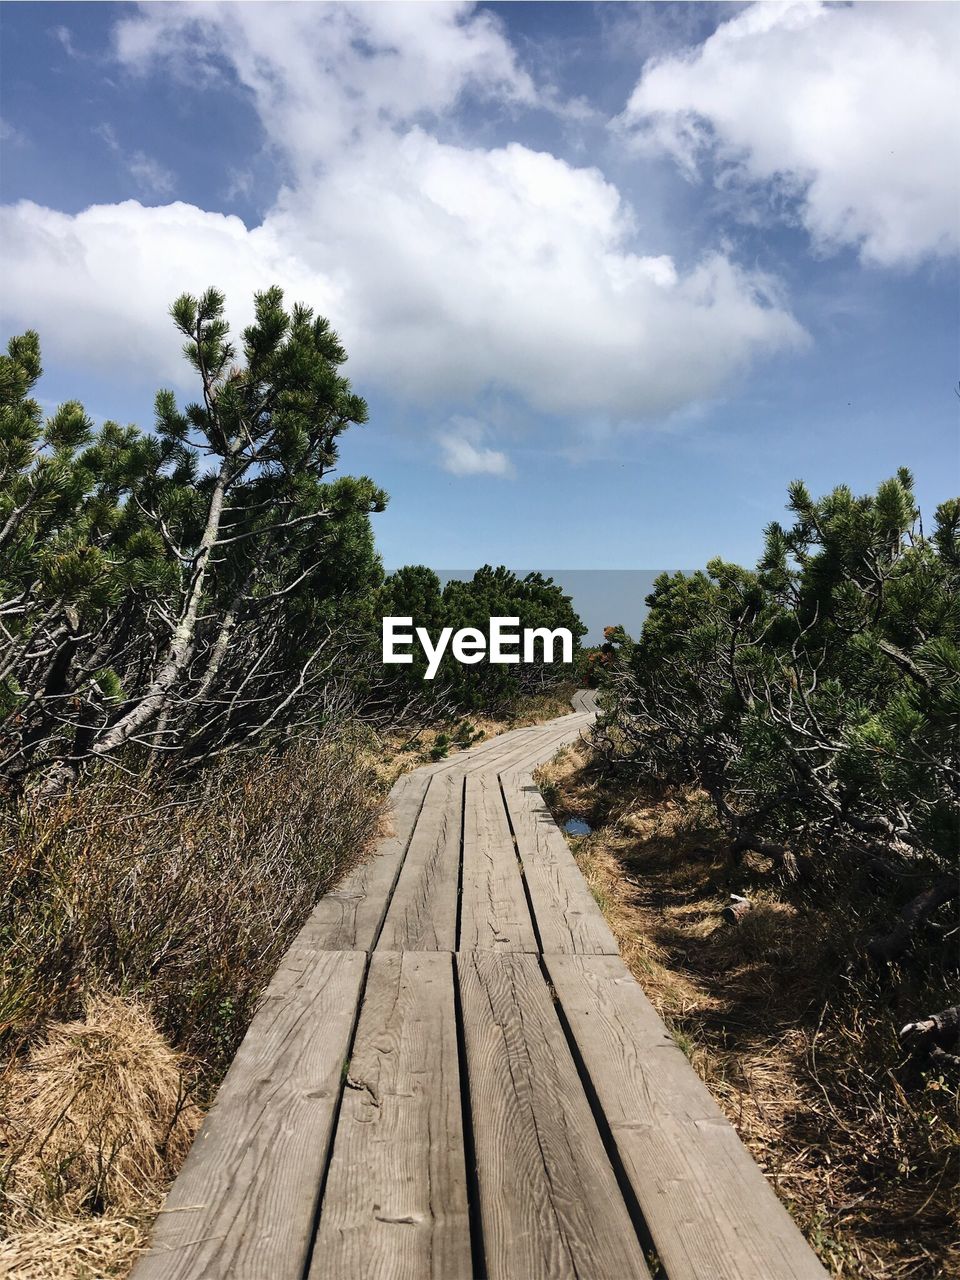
(494, 689)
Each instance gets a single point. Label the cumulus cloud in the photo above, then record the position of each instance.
(449, 270)
(98, 285)
(463, 453)
(324, 76)
(850, 110)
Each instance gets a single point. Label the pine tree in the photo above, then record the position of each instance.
(185, 591)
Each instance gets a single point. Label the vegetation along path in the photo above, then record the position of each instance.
(453, 1075)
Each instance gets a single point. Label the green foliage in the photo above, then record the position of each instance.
(817, 697)
(466, 735)
(211, 568)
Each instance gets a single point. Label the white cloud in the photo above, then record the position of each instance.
(64, 37)
(851, 110)
(324, 75)
(10, 134)
(240, 184)
(463, 453)
(449, 271)
(149, 175)
(98, 285)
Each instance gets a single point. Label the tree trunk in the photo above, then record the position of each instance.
(892, 945)
(780, 854)
(937, 1035)
(175, 660)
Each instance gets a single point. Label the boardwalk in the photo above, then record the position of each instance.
(453, 1075)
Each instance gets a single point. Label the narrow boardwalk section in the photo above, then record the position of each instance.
(452, 1076)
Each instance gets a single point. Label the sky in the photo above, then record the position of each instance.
(609, 276)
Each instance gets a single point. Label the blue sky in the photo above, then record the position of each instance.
(610, 275)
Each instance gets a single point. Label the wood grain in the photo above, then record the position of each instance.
(546, 747)
(396, 1195)
(549, 1200)
(567, 916)
(395, 1204)
(707, 1205)
(349, 917)
(484, 752)
(494, 915)
(422, 915)
(243, 1206)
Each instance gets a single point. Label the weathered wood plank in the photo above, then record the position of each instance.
(502, 743)
(243, 1206)
(533, 737)
(493, 915)
(568, 919)
(585, 700)
(547, 744)
(512, 750)
(422, 915)
(707, 1205)
(549, 1201)
(395, 1202)
(348, 918)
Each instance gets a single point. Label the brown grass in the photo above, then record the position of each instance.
(139, 923)
(187, 897)
(175, 905)
(399, 753)
(102, 1248)
(795, 1037)
(98, 1119)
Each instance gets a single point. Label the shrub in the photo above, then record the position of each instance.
(187, 895)
(816, 699)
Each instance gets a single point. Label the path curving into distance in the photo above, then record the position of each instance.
(453, 1076)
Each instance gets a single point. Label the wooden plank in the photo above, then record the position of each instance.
(348, 918)
(512, 749)
(568, 919)
(422, 915)
(549, 1201)
(484, 751)
(534, 749)
(535, 737)
(493, 914)
(395, 1203)
(585, 700)
(244, 1204)
(707, 1205)
(539, 752)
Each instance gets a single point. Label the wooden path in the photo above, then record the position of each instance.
(452, 1075)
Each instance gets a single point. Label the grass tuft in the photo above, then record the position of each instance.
(98, 1118)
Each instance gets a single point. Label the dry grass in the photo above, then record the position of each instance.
(98, 1119)
(185, 897)
(399, 753)
(793, 1035)
(139, 924)
(102, 1248)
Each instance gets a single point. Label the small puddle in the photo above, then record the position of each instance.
(574, 827)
